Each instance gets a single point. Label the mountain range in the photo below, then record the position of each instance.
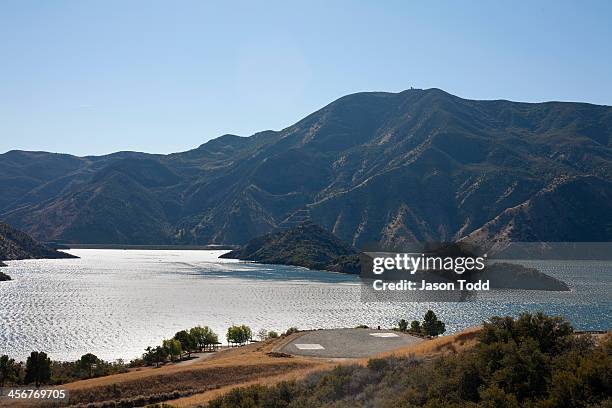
(376, 169)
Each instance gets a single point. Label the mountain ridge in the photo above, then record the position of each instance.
(374, 168)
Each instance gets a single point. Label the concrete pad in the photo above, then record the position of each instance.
(347, 343)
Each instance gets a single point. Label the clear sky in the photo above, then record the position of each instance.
(93, 77)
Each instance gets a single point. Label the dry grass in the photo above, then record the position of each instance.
(203, 398)
(194, 384)
(224, 370)
(186, 382)
(439, 346)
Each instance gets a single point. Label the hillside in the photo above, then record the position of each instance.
(569, 209)
(306, 245)
(375, 169)
(529, 361)
(15, 245)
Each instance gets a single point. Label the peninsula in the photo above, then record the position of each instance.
(15, 245)
(306, 245)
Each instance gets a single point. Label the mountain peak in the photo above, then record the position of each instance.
(373, 167)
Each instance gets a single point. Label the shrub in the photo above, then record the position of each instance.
(291, 330)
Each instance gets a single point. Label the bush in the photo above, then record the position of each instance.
(533, 361)
(291, 330)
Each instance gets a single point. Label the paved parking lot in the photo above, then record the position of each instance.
(347, 343)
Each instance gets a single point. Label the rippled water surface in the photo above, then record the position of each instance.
(114, 303)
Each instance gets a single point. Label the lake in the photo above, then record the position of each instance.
(115, 303)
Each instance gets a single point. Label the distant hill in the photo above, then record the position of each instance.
(15, 245)
(306, 245)
(376, 169)
(503, 275)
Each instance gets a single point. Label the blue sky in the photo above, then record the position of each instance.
(93, 77)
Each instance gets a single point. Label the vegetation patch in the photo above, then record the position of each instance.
(532, 361)
(306, 245)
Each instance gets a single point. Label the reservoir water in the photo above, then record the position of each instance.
(115, 303)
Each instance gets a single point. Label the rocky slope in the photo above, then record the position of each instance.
(15, 245)
(306, 245)
(376, 169)
(569, 209)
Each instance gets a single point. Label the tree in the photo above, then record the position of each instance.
(38, 368)
(262, 334)
(155, 355)
(431, 325)
(172, 347)
(8, 370)
(88, 362)
(291, 330)
(204, 336)
(239, 334)
(415, 326)
(246, 332)
(403, 325)
(159, 355)
(147, 356)
(188, 342)
(272, 334)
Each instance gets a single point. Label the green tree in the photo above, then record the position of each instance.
(246, 333)
(402, 325)
(272, 334)
(239, 334)
(431, 325)
(147, 356)
(204, 336)
(188, 342)
(160, 354)
(172, 347)
(38, 368)
(291, 330)
(415, 326)
(8, 370)
(88, 362)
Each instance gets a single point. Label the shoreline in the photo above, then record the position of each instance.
(143, 247)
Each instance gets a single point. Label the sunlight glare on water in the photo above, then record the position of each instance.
(115, 303)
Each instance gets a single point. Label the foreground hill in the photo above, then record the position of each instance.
(15, 245)
(306, 245)
(530, 361)
(375, 169)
